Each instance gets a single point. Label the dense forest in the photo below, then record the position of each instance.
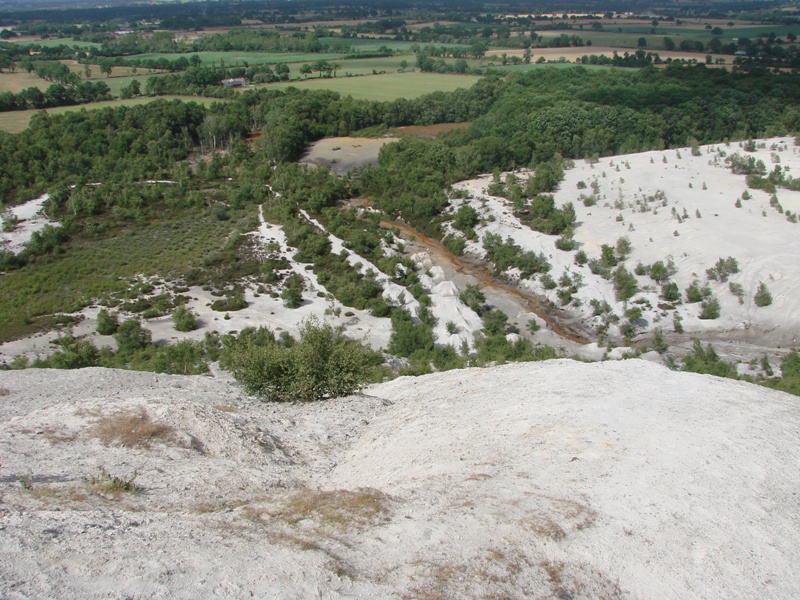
(521, 120)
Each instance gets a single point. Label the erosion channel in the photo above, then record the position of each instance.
(517, 304)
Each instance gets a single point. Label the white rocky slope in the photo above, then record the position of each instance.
(557, 479)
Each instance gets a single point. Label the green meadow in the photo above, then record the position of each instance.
(385, 87)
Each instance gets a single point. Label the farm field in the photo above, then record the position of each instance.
(571, 54)
(373, 44)
(231, 59)
(370, 66)
(16, 82)
(385, 87)
(52, 43)
(16, 120)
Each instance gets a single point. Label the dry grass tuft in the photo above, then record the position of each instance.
(544, 526)
(343, 509)
(439, 578)
(59, 495)
(133, 430)
(338, 563)
(51, 434)
(226, 408)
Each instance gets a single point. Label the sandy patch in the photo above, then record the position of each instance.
(345, 154)
(29, 220)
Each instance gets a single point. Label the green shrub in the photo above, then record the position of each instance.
(790, 375)
(322, 364)
(710, 309)
(409, 338)
(184, 319)
(292, 297)
(131, 336)
(762, 297)
(624, 284)
(107, 323)
(74, 354)
(494, 322)
(565, 242)
(694, 293)
(455, 244)
(466, 218)
(623, 248)
(722, 269)
(230, 303)
(706, 361)
(737, 290)
(184, 358)
(473, 297)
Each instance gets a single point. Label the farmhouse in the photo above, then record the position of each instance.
(235, 82)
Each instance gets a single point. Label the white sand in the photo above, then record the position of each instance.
(556, 479)
(766, 247)
(30, 220)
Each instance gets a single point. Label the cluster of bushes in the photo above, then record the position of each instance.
(705, 360)
(323, 363)
(507, 254)
(724, 268)
(135, 350)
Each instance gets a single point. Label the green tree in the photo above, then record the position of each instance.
(625, 284)
(466, 218)
(131, 336)
(763, 297)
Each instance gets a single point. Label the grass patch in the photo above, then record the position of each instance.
(75, 279)
(337, 509)
(386, 87)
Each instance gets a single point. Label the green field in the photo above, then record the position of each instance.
(617, 39)
(56, 42)
(523, 67)
(231, 59)
(15, 121)
(385, 87)
(374, 44)
(369, 66)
